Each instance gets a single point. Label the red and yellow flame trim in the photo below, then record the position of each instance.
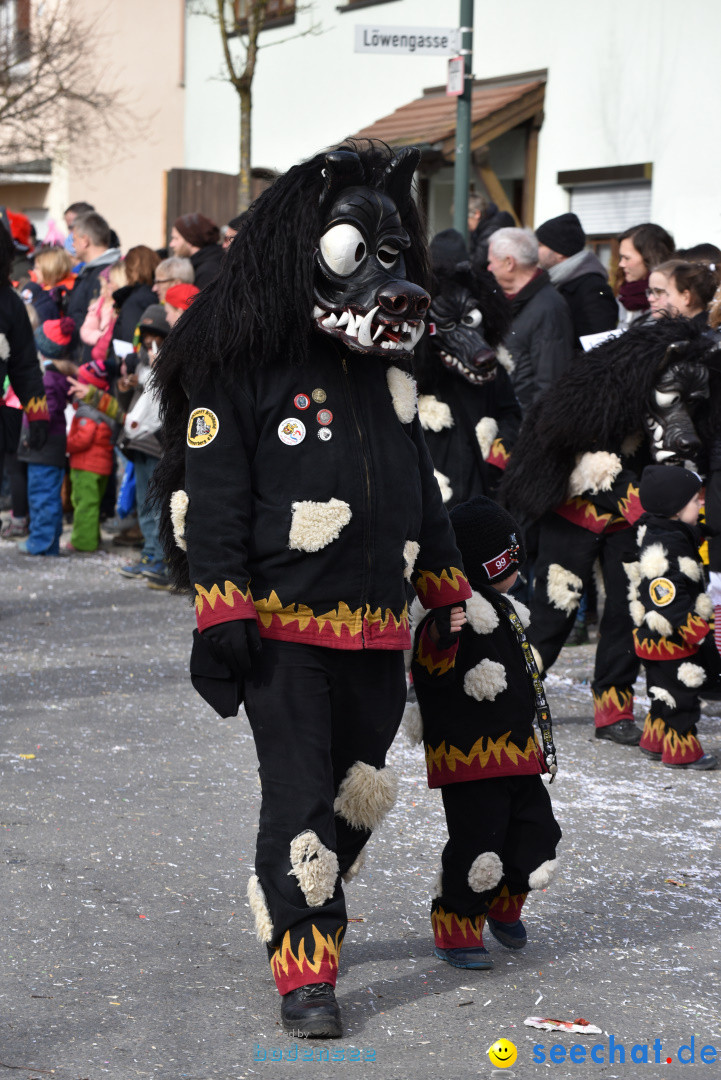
(630, 505)
(291, 970)
(582, 512)
(612, 705)
(487, 757)
(498, 455)
(435, 590)
(436, 661)
(693, 631)
(452, 931)
(213, 606)
(654, 730)
(339, 628)
(37, 408)
(680, 749)
(506, 907)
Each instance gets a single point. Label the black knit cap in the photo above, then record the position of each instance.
(489, 540)
(666, 489)
(563, 234)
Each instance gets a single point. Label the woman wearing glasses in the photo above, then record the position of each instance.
(682, 288)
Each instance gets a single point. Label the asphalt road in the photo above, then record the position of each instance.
(128, 823)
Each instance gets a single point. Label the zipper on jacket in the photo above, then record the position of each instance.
(367, 529)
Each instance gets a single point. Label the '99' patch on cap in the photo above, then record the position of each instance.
(202, 427)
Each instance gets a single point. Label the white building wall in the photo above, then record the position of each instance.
(628, 83)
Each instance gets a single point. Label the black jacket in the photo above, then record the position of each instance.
(206, 264)
(541, 339)
(312, 501)
(476, 698)
(131, 301)
(18, 355)
(590, 298)
(85, 290)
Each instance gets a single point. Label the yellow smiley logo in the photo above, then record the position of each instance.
(502, 1054)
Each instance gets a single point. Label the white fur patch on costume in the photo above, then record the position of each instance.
(523, 613)
(315, 866)
(631, 443)
(259, 910)
(658, 623)
(633, 573)
(690, 567)
(178, 509)
(486, 871)
(4, 347)
(641, 534)
(410, 554)
(661, 694)
(433, 414)
(638, 612)
(691, 675)
(481, 614)
(564, 588)
(437, 889)
(355, 867)
(366, 794)
(594, 472)
(537, 657)
(653, 561)
(485, 681)
(444, 484)
(486, 431)
(314, 525)
(704, 606)
(404, 393)
(505, 359)
(412, 723)
(543, 874)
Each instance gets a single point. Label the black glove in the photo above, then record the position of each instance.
(38, 434)
(235, 644)
(442, 619)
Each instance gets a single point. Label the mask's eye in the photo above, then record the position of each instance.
(387, 254)
(666, 398)
(447, 326)
(343, 249)
(473, 318)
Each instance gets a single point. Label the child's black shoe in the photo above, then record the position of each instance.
(512, 935)
(478, 958)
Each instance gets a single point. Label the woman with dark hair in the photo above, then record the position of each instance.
(682, 288)
(640, 249)
(132, 299)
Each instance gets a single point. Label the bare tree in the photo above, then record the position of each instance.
(50, 89)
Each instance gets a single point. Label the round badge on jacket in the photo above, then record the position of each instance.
(301, 401)
(324, 417)
(662, 591)
(291, 431)
(203, 426)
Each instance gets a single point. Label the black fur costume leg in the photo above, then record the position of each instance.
(670, 726)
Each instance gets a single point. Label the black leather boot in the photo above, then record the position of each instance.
(623, 732)
(311, 1012)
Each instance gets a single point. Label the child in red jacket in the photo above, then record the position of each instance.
(91, 440)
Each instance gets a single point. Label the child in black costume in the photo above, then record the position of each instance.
(478, 696)
(671, 613)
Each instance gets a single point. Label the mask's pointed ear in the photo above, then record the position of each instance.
(678, 350)
(399, 177)
(342, 169)
(712, 359)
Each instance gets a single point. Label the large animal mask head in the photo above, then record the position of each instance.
(362, 296)
(682, 384)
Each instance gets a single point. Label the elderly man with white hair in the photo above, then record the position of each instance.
(541, 338)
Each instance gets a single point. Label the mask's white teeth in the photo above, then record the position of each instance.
(318, 312)
(416, 333)
(364, 330)
(351, 329)
(378, 332)
(396, 328)
(385, 344)
(342, 320)
(405, 328)
(330, 321)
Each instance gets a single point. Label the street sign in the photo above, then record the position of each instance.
(408, 40)
(456, 76)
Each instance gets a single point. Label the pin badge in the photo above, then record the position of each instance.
(324, 434)
(301, 401)
(324, 417)
(291, 431)
(319, 396)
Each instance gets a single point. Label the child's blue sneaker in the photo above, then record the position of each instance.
(136, 570)
(479, 958)
(512, 935)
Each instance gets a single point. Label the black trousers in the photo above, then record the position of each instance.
(500, 831)
(317, 713)
(575, 549)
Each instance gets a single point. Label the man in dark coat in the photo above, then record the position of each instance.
(578, 275)
(195, 237)
(92, 237)
(540, 340)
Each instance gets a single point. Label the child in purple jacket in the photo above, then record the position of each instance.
(46, 467)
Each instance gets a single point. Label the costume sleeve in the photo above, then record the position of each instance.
(438, 576)
(508, 416)
(622, 499)
(670, 597)
(17, 348)
(430, 662)
(219, 447)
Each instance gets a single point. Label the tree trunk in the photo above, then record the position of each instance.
(244, 177)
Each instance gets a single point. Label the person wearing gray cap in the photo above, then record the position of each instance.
(578, 275)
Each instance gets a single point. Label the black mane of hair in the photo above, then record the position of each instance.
(258, 311)
(599, 401)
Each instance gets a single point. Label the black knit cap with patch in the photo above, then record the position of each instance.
(489, 540)
(666, 489)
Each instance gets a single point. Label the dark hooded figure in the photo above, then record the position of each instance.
(303, 503)
(468, 409)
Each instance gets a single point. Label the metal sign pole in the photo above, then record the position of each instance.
(462, 169)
